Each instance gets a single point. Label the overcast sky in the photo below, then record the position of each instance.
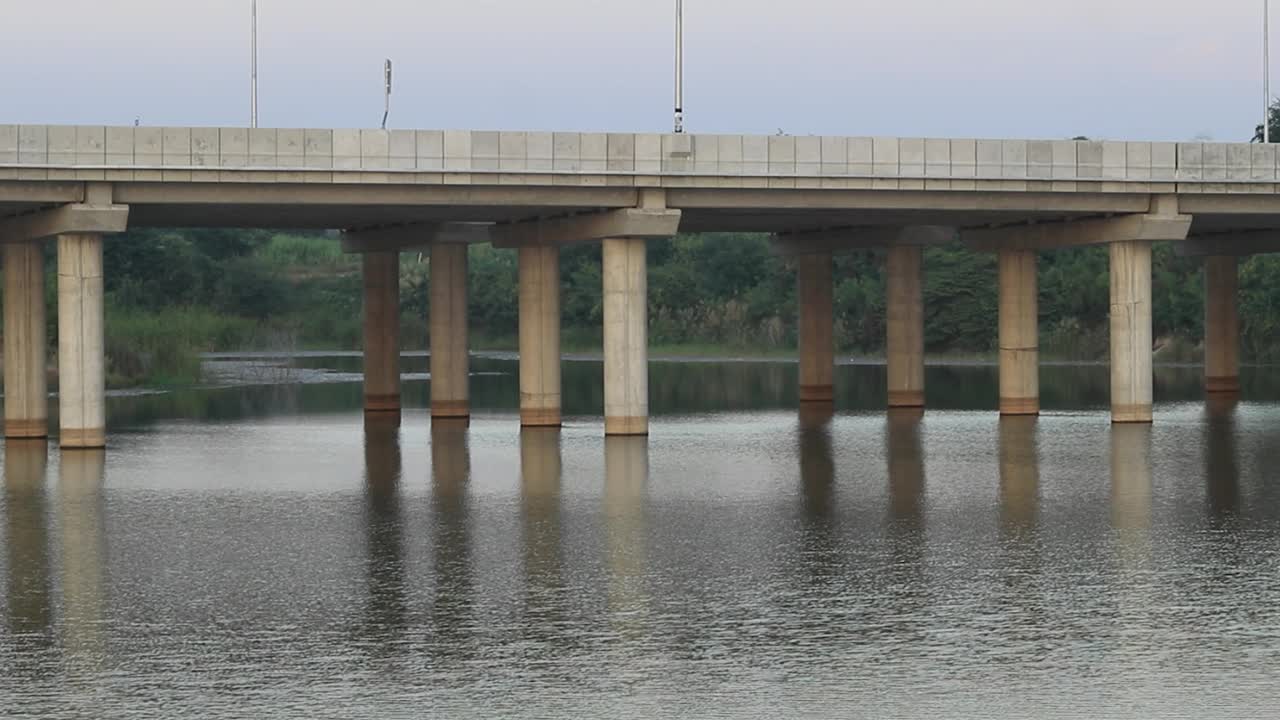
(1122, 69)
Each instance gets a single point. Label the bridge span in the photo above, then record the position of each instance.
(537, 191)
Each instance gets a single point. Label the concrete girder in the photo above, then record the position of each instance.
(639, 223)
(836, 240)
(1233, 244)
(411, 237)
(75, 218)
(1162, 222)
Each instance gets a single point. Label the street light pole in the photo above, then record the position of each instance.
(679, 66)
(253, 65)
(1266, 71)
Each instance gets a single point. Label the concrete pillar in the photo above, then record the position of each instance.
(1221, 326)
(626, 338)
(540, 336)
(817, 346)
(81, 359)
(449, 370)
(1131, 332)
(26, 391)
(381, 331)
(1019, 334)
(905, 343)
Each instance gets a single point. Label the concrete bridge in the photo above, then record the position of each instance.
(537, 191)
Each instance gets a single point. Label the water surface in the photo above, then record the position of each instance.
(264, 551)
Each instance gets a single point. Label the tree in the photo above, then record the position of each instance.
(1273, 119)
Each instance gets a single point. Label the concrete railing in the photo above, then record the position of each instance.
(229, 154)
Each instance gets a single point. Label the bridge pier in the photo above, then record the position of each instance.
(1221, 325)
(450, 395)
(817, 346)
(539, 268)
(904, 348)
(1019, 333)
(1131, 332)
(26, 391)
(626, 337)
(81, 358)
(381, 331)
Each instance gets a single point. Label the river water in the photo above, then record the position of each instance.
(261, 550)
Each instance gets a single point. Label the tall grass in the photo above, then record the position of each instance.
(163, 347)
(285, 251)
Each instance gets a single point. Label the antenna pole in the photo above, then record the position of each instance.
(253, 66)
(679, 66)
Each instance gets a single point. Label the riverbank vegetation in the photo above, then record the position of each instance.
(174, 294)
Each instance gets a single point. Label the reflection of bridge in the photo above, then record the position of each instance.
(392, 190)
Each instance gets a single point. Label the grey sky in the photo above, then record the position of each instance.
(1150, 69)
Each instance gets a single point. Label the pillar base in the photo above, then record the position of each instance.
(26, 428)
(86, 439)
(1020, 406)
(382, 403)
(1227, 384)
(450, 409)
(541, 417)
(638, 425)
(906, 398)
(817, 393)
(1140, 414)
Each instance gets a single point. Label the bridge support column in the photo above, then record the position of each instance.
(1221, 326)
(26, 391)
(817, 347)
(626, 337)
(540, 336)
(1131, 331)
(905, 342)
(381, 331)
(450, 397)
(81, 359)
(1019, 334)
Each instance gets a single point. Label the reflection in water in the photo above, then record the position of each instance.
(540, 474)
(1222, 471)
(1131, 490)
(820, 546)
(626, 479)
(1019, 474)
(384, 525)
(25, 463)
(906, 468)
(451, 546)
(80, 479)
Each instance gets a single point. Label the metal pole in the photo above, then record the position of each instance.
(386, 107)
(253, 101)
(679, 66)
(1266, 71)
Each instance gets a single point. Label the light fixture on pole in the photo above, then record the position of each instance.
(1266, 71)
(386, 106)
(679, 66)
(253, 65)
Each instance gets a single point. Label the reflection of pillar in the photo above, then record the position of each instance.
(26, 527)
(817, 466)
(906, 467)
(1221, 326)
(451, 550)
(1019, 473)
(817, 346)
(80, 478)
(626, 475)
(540, 474)
(81, 355)
(383, 520)
(1019, 334)
(904, 347)
(450, 395)
(626, 337)
(1222, 471)
(26, 391)
(1131, 478)
(539, 336)
(381, 331)
(1131, 332)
